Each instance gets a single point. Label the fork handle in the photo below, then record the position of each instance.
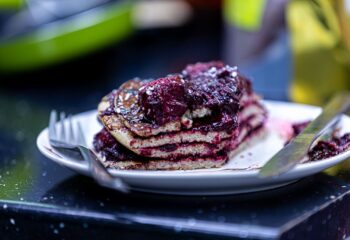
(100, 173)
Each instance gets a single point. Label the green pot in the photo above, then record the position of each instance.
(67, 38)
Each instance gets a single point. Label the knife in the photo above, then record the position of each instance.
(289, 156)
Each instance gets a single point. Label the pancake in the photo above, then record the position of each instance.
(173, 151)
(187, 163)
(199, 149)
(176, 144)
(132, 140)
(123, 104)
(182, 164)
(206, 99)
(191, 120)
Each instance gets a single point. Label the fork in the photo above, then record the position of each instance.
(71, 140)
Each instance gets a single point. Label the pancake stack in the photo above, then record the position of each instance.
(195, 119)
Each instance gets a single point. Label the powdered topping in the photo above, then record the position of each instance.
(215, 88)
(199, 68)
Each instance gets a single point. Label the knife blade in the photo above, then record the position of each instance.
(289, 156)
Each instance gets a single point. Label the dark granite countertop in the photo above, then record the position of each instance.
(42, 200)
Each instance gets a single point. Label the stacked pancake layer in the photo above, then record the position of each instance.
(186, 121)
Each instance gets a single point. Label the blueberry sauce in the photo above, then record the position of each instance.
(169, 147)
(163, 100)
(325, 148)
(111, 149)
(210, 86)
(216, 122)
(330, 148)
(213, 87)
(299, 127)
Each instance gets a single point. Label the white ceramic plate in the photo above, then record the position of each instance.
(242, 176)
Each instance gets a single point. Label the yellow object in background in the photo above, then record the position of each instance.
(319, 35)
(245, 14)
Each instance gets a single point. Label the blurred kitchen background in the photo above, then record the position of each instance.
(72, 52)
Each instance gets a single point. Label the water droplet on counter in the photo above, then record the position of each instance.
(44, 174)
(12, 221)
(61, 225)
(55, 231)
(4, 206)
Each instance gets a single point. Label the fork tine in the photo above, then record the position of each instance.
(63, 129)
(72, 138)
(52, 124)
(71, 134)
(81, 136)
